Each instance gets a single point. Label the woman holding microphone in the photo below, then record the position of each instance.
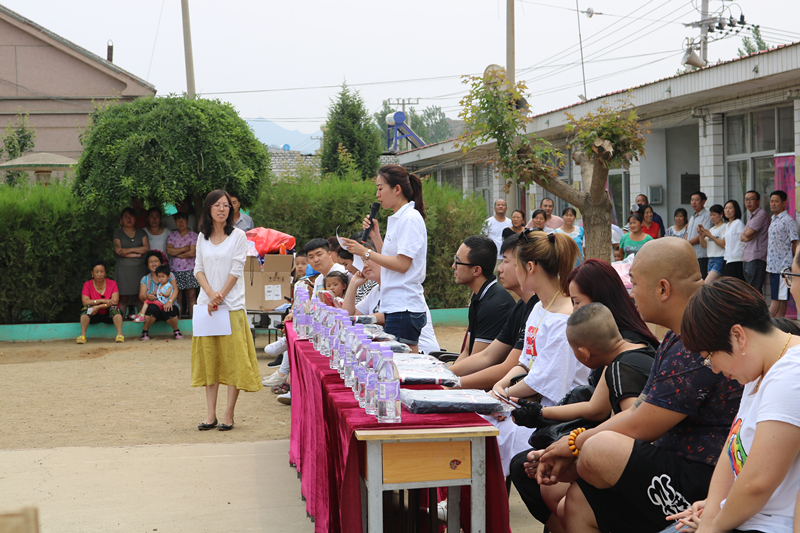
(219, 268)
(402, 255)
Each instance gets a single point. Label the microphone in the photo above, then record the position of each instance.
(373, 212)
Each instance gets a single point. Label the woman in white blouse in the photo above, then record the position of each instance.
(219, 268)
(402, 256)
(734, 247)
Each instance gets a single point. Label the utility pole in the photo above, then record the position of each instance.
(187, 49)
(704, 32)
(510, 56)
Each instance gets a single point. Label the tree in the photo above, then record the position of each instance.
(438, 127)
(418, 125)
(756, 44)
(494, 111)
(19, 140)
(350, 125)
(380, 120)
(164, 150)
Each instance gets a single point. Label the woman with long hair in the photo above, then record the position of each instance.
(219, 268)
(755, 489)
(544, 262)
(517, 224)
(734, 247)
(402, 255)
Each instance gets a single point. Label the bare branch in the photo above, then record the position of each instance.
(562, 190)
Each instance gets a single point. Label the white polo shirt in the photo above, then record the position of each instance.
(407, 235)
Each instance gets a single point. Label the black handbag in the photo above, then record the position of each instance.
(544, 436)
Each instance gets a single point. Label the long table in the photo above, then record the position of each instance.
(329, 436)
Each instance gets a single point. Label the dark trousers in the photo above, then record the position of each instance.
(528, 488)
(755, 273)
(703, 263)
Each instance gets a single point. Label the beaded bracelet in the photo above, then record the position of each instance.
(571, 441)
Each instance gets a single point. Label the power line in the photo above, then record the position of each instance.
(153, 53)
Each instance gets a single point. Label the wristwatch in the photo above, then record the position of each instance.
(366, 255)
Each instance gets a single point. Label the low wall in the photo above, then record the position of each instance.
(132, 330)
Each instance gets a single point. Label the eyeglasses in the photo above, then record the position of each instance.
(787, 276)
(457, 262)
(221, 206)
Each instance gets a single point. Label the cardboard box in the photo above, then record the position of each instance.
(264, 289)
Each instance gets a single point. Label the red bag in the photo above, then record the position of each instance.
(268, 241)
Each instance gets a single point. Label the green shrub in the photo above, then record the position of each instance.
(307, 208)
(46, 248)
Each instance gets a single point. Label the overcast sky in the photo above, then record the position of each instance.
(298, 45)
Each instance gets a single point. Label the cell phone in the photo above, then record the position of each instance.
(508, 401)
(287, 299)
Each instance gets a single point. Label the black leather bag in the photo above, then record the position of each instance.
(547, 435)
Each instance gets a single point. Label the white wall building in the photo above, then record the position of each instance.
(723, 129)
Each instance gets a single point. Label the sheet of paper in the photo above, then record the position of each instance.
(358, 263)
(214, 325)
(272, 292)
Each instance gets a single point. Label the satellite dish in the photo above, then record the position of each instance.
(496, 71)
(286, 147)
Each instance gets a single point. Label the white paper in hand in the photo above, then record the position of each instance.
(216, 324)
(358, 263)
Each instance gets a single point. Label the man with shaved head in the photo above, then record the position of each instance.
(652, 460)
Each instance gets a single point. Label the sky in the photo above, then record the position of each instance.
(294, 55)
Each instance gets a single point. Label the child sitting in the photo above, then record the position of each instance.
(163, 292)
(336, 282)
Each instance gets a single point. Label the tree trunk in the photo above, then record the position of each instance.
(596, 209)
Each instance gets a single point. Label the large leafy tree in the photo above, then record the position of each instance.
(436, 122)
(163, 150)
(494, 111)
(350, 125)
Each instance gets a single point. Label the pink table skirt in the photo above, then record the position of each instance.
(323, 446)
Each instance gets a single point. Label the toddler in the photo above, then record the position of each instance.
(336, 282)
(163, 292)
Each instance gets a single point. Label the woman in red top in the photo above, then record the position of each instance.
(649, 227)
(100, 297)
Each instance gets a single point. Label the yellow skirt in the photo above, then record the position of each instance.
(228, 359)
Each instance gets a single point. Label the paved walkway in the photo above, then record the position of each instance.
(245, 486)
(193, 488)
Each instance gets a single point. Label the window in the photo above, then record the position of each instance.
(452, 177)
(690, 184)
(752, 140)
(481, 180)
(619, 187)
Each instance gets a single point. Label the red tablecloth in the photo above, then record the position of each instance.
(323, 446)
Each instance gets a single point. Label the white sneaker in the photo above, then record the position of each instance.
(276, 348)
(286, 399)
(275, 379)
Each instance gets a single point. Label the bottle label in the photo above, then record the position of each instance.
(388, 391)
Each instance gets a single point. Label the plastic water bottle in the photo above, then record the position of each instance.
(388, 387)
(374, 356)
(339, 342)
(351, 361)
(359, 360)
(361, 392)
(334, 341)
(371, 396)
(328, 320)
(344, 349)
(299, 315)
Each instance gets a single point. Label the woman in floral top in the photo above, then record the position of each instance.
(181, 249)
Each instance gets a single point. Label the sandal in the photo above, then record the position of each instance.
(283, 388)
(81, 340)
(120, 338)
(144, 337)
(178, 335)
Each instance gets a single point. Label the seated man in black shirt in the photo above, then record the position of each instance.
(490, 304)
(485, 368)
(658, 456)
(593, 335)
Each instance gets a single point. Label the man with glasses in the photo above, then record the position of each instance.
(490, 305)
(781, 246)
(755, 237)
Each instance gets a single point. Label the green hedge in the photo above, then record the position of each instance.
(46, 248)
(308, 208)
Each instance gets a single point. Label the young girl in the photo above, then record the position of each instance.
(336, 282)
(576, 232)
(714, 240)
(163, 292)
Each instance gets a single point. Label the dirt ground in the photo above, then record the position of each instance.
(101, 393)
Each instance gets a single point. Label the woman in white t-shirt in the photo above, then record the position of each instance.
(713, 239)
(544, 262)
(402, 255)
(371, 305)
(755, 487)
(734, 247)
(219, 268)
